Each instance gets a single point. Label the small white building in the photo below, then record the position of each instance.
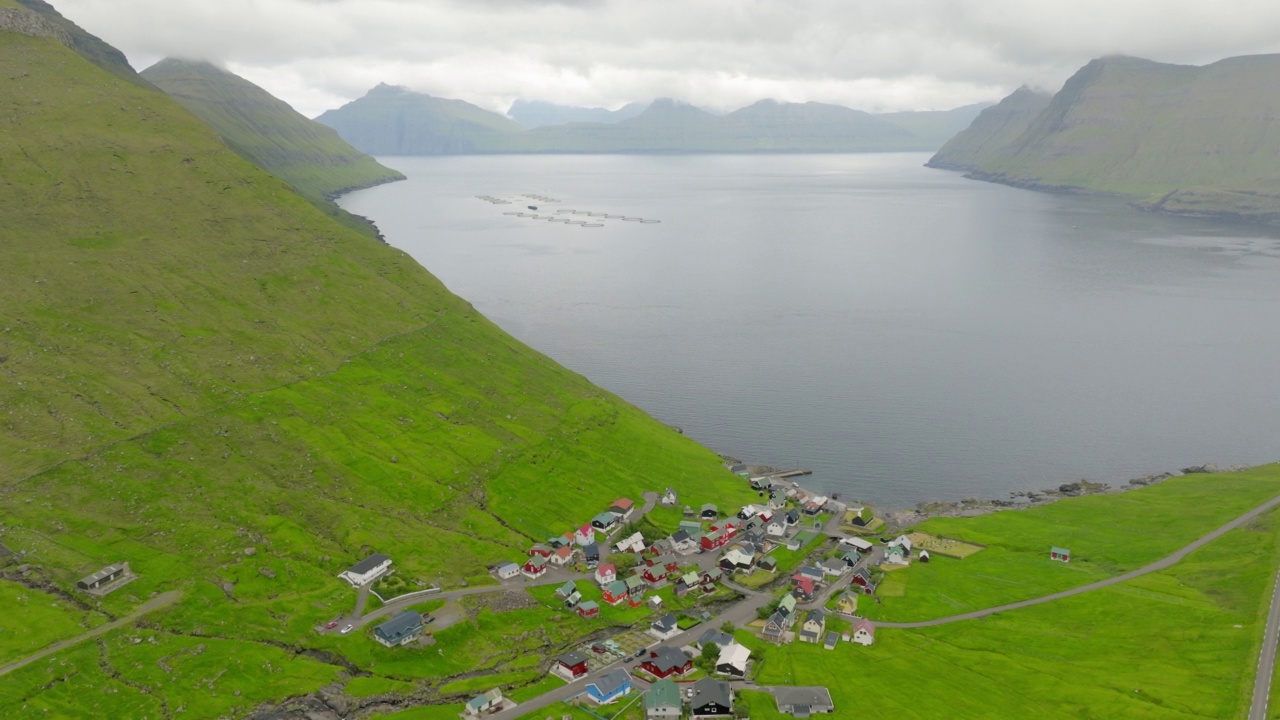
(864, 633)
(856, 543)
(367, 570)
(632, 544)
(733, 660)
(506, 571)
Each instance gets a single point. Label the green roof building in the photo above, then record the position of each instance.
(662, 700)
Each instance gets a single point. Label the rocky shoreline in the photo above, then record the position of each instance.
(897, 520)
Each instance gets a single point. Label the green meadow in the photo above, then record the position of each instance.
(1107, 535)
(1181, 643)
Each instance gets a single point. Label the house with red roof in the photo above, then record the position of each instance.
(605, 574)
(622, 506)
(585, 535)
(562, 555)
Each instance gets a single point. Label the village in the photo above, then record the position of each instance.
(791, 568)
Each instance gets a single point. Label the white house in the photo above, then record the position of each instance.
(585, 535)
(777, 527)
(367, 570)
(606, 574)
(857, 543)
(864, 633)
(733, 660)
(904, 541)
(506, 571)
(633, 544)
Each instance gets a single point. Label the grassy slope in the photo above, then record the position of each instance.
(267, 132)
(1107, 534)
(1199, 139)
(1177, 644)
(302, 152)
(196, 361)
(993, 129)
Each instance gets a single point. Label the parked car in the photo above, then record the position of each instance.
(331, 625)
(347, 628)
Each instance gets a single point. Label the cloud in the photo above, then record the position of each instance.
(870, 54)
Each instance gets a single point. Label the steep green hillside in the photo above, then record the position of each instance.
(270, 134)
(396, 121)
(392, 120)
(206, 377)
(264, 129)
(994, 129)
(1199, 140)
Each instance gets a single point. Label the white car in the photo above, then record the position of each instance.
(347, 628)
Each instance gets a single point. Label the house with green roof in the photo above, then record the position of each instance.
(662, 700)
(484, 704)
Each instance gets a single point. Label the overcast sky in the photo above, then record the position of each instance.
(874, 55)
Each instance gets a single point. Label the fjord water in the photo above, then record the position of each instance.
(908, 334)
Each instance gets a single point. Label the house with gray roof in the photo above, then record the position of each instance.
(399, 630)
(711, 699)
(367, 570)
(105, 576)
(815, 623)
(609, 687)
(803, 702)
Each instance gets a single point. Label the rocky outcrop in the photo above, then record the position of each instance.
(28, 22)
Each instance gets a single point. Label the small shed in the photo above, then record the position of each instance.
(1060, 554)
(106, 575)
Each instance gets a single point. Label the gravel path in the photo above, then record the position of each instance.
(160, 601)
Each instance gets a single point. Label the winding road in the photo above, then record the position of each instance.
(1266, 659)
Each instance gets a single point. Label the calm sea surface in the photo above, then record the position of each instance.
(908, 334)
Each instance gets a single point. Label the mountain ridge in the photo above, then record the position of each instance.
(1192, 140)
(398, 121)
(269, 133)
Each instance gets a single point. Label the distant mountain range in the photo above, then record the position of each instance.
(397, 121)
(1181, 139)
(537, 113)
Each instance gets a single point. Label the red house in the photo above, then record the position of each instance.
(614, 593)
(571, 665)
(718, 537)
(667, 662)
(804, 589)
(588, 609)
(654, 574)
(535, 566)
(540, 550)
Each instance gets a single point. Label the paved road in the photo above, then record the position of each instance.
(155, 603)
(553, 577)
(1162, 564)
(1267, 658)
